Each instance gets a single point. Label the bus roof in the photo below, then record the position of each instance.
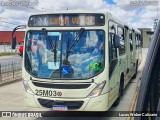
(73, 11)
(109, 15)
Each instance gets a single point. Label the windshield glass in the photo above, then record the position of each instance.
(60, 55)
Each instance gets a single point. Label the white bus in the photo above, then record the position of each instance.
(78, 60)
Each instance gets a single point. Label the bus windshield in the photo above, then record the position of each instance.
(56, 54)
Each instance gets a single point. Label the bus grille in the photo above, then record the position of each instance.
(70, 104)
(62, 86)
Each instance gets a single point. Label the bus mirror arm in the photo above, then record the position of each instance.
(116, 39)
(13, 46)
(14, 42)
(20, 54)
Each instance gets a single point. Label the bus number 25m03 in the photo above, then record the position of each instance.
(48, 93)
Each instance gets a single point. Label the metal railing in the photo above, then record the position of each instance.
(7, 48)
(10, 71)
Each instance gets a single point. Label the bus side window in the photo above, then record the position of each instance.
(112, 50)
(137, 41)
(122, 41)
(140, 41)
(131, 41)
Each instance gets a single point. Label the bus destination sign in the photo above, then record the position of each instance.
(66, 20)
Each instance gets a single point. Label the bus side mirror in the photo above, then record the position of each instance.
(14, 42)
(116, 40)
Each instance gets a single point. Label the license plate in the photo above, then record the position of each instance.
(59, 108)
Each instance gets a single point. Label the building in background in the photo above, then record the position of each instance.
(6, 39)
(146, 38)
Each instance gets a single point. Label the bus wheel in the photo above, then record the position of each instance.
(135, 75)
(116, 103)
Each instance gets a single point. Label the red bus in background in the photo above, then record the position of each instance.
(20, 49)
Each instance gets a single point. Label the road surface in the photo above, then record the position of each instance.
(7, 59)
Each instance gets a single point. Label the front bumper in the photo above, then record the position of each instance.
(99, 103)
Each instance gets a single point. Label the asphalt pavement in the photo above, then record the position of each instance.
(7, 59)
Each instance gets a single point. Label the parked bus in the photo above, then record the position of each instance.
(78, 60)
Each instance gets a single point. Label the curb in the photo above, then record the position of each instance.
(133, 102)
(132, 107)
(9, 82)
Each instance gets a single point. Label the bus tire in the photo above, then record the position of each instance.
(116, 103)
(121, 85)
(135, 75)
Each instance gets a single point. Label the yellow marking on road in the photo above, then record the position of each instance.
(132, 108)
(133, 102)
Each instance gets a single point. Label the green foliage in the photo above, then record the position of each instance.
(7, 53)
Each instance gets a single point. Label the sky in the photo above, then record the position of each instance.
(139, 15)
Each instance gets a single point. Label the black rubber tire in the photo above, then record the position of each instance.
(155, 87)
(116, 103)
(147, 77)
(135, 75)
(121, 86)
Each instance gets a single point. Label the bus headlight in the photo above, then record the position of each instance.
(97, 90)
(27, 88)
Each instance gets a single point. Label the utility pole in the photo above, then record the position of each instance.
(155, 24)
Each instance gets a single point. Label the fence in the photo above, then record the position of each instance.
(7, 48)
(10, 71)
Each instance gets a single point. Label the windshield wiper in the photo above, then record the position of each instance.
(54, 48)
(67, 49)
(75, 41)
